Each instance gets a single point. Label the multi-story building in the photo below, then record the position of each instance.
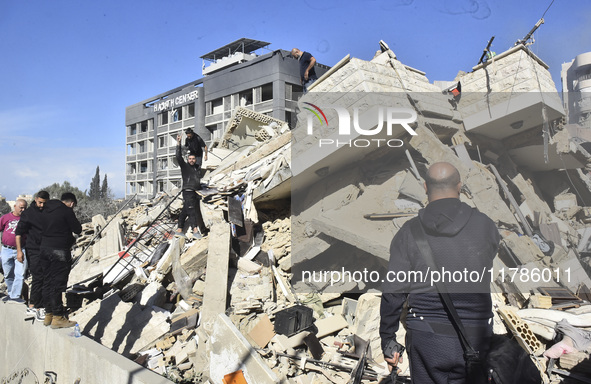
(236, 76)
(576, 90)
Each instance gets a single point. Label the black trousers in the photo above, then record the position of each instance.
(439, 359)
(192, 210)
(36, 269)
(56, 265)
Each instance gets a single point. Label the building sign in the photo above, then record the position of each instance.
(173, 102)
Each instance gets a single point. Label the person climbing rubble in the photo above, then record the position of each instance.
(190, 172)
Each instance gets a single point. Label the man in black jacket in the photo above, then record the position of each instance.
(462, 239)
(59, 222)
(191, 175)
(31, 225)
(196, 146)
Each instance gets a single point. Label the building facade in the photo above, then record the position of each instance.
(237, 76)
(576, 90)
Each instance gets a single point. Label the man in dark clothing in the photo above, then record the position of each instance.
(461, 239)
(190, 173)
(31, 225)
(59, 222)
(196, 146)
(307, 72)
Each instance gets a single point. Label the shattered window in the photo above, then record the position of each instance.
(245, 98)
(164, 118)
(267, 92)
(163, 163)
(177, 115)
(190, 110)
(217, 106)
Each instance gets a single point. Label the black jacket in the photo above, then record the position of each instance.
(191, 174)
(195, 146)
(461, 239)
(31, 225)
(59, 222)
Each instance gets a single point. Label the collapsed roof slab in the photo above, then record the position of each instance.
(504, 115)
(243, 126)
(480, 182)
(512, 97)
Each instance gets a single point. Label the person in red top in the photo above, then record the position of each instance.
(14, 266)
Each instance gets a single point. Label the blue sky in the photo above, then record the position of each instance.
(70, 68)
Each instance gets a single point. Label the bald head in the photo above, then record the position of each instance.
(296, 53)
(442, 181)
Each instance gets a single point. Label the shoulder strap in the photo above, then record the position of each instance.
(420, 238)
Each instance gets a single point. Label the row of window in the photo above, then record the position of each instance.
(145, 187)
(141, 127)
(177, 114)
(163, 163)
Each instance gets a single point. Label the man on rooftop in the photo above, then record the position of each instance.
(307, 72)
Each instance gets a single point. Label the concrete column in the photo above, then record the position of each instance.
(200, 115)
(279, 99)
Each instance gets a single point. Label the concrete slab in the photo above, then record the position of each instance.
(41, 349)
(230, 351)
(216, 280)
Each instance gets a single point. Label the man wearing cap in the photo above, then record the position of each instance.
(14, 266)
(196, 146)
(191, 175)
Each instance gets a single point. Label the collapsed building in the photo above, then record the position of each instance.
(236, 306)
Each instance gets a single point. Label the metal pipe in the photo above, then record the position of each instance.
(101, 231)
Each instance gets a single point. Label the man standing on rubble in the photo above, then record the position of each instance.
(191, 175)
(307, 72)
(31, 225)
(59, 222)
(14, 266)
(461, 238)
(196, 146)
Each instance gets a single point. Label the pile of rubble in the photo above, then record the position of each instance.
(223, 308)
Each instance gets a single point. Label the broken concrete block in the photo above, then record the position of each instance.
(185, 366)
(248, 266)
(367, 320)
(262, 332)
(165, 344)
(187, 320)
(199, 287)
(153, 294)
(230, 351)
(330, 325)
(413, 188)
(174, 350)
(523, 247)
(565, 201)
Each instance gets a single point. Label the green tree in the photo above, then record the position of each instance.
(105, 191)
(56, 190)
(94, 193)
(4, 207)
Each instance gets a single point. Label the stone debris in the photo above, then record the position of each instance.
(211, 309)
